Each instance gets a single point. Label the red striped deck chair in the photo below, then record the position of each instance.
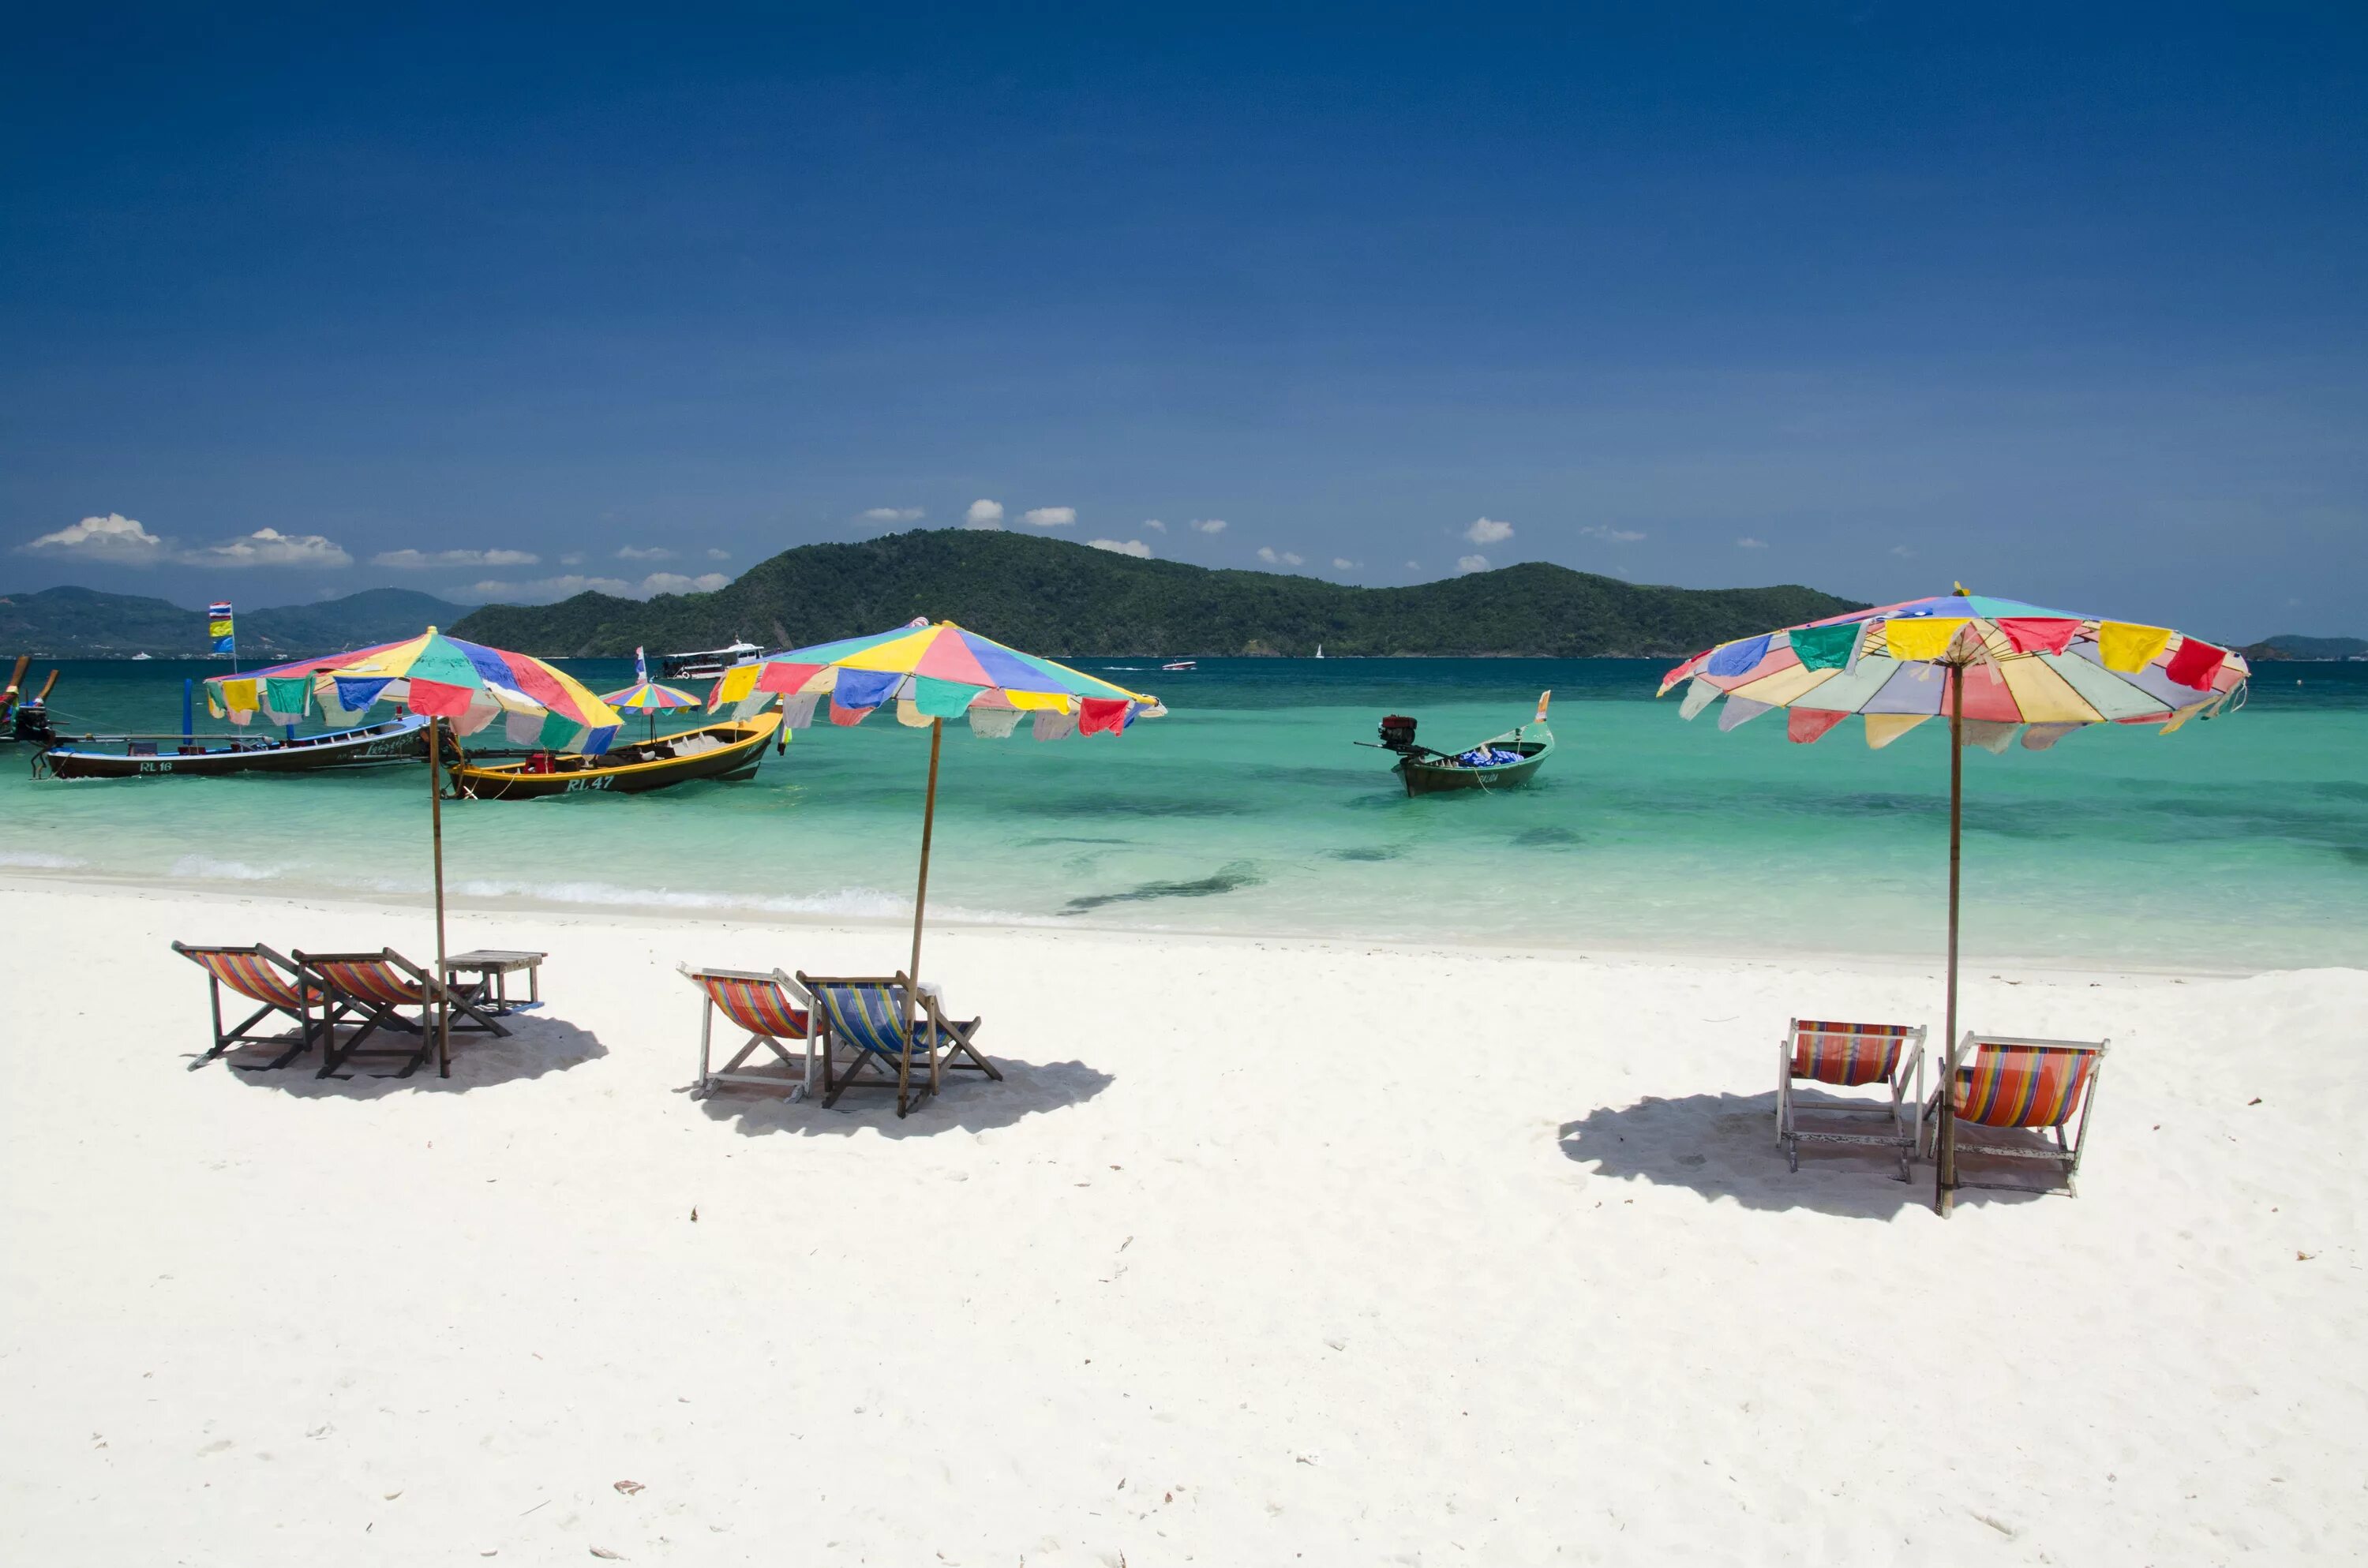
(2015, 1098)
(865, 1014)
(378, 986)
(261, 975)
(772, 1007)
(1849, 1056)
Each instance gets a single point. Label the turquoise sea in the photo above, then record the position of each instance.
(2238, 843)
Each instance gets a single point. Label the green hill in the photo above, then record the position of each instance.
(1055, 598)
(2293, 647)
(84, 623)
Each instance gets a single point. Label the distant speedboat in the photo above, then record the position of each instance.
(142, 658)
(1181, 664)
(706, 664)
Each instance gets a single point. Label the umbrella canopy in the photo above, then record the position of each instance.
(932, 672)
(1993, 667)
(441, 678)
(2020, 665)
(646, 695)
(470, 685)
(282, 693)
(935, 671)
(650, 696)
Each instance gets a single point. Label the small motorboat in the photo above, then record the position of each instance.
(1500, 761)
(730, 750)
(1180, 666)
(147, 756)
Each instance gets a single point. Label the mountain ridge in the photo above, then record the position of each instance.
(1061, 598)
(77, 622)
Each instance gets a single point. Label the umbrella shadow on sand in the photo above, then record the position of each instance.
(1724, 1146)
(967, 1102)
(536, 1046)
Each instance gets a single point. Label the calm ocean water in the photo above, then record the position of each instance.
(2242, 842)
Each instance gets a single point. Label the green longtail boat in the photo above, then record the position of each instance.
(1500, 762)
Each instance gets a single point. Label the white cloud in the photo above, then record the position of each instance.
(675, 582)
(1154, 524)
(1471, 564)
(1615, 536)
(1342, 563)
(1269, 554)
(635, 553)
(713, 554)
(572, 558)
(1209, 525)
(1902, 551)
(413, 560)
(1266, 554)
(1747, 542)
(1050, 516)
(983, 514)
(893, 515)
(114, 538)
(1413, 565)
(1135, 547)
(269, 547)
(1488, 531)
(543, 590)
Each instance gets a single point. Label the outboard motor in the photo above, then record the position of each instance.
(1398, 734)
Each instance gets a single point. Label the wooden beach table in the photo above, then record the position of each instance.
(492, 967)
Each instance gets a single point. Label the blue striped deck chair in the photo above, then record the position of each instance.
(865, 1014)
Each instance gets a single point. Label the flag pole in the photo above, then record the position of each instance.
(1944, 1168)
(920, 901)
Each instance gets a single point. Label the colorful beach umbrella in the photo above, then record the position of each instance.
(1997, 669)
(931, 672)
(647, 696)
(462, 686)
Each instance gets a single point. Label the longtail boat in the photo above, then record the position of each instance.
(1500, 761)
(730, 750)
(145, 756)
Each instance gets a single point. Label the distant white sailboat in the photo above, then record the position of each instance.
(1319, 650)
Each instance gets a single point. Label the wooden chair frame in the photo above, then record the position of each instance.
(731, 1073)
(380, 1013)
(307, 992)
(944, 1044)
(1978, 1137)
(1902, 1111)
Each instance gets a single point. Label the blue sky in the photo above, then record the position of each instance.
(2069, 307)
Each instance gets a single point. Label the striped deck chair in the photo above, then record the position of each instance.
(378, 986)
(2014, 1099)
(772, 1007)
(1850, 1056)
(866, 1014)
(256, 974)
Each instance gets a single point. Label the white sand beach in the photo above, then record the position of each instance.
(1267, 1252)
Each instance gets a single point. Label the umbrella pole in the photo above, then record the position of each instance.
(920, 900)
(436, 820)
(1944, 1168)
